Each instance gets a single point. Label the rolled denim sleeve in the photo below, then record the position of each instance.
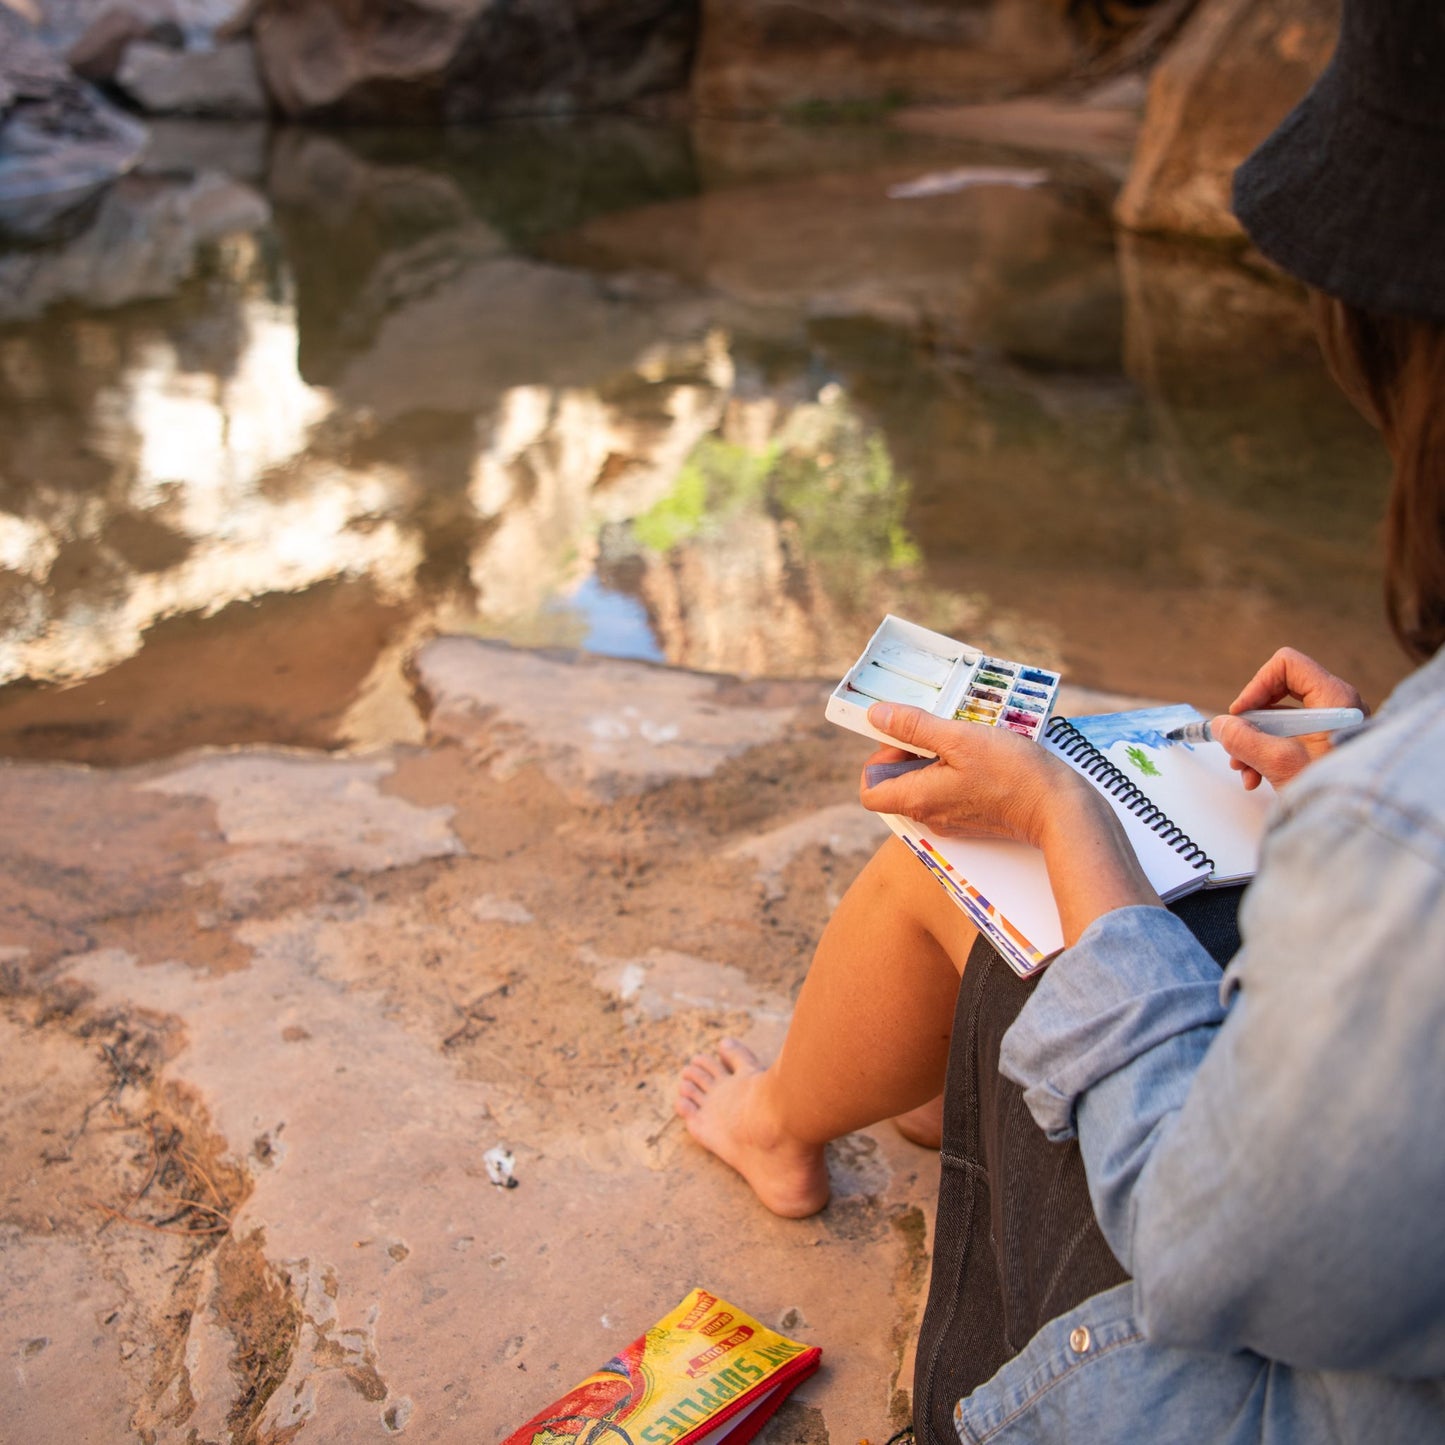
(1263, 1155)
(1136, 985)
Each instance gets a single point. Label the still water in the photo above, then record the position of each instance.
(288, 403)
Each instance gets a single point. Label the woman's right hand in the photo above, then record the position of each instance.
(1256, 755)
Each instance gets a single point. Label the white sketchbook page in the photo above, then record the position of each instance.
(1192, 783)
(1010, 876)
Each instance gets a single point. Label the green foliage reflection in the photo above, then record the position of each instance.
(827, 480)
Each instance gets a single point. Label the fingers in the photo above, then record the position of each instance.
(876, 773)
(1247, 775)
(1257, 755)
(888, 754)
(913, 726)
(1289, 673)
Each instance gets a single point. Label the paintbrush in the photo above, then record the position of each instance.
(1278, 722)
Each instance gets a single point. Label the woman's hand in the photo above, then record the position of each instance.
(993, 783)
(986, 782)
(1256, 755)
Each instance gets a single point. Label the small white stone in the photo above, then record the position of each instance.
(501, 1165)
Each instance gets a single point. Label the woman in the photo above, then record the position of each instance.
(1260, 1151)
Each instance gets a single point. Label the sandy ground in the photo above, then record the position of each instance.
(263, 1013)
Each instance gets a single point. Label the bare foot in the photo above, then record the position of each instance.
(923, 1125)
(722, 1099)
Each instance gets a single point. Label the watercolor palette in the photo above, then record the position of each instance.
(906, 663)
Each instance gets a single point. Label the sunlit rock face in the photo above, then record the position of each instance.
(466, 59)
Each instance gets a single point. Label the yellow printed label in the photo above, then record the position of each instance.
(687, 1368)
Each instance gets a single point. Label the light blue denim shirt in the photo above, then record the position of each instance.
(1266, 1154)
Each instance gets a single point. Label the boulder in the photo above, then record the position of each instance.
(97, 54)
(469, 59)
(61, 144)
(763, 55)
(221, 83)
(1236, 69)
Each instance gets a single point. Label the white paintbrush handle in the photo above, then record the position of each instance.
(1293, 722)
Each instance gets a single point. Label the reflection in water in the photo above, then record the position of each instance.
(615, 624)
(195, 515)
(783, 532)
(724, 427)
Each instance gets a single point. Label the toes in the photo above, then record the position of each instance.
(739, 1058)
(685, 1105)
(702, 1079)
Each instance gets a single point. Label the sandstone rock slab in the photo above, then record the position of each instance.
(57, 1338)
(395, 1010)
(596, 730)
(1236, 69)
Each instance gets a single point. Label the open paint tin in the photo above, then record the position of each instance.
(905, 663)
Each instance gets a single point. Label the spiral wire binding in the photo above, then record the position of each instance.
(1074, 746)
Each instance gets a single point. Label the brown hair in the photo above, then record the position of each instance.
(1393, 369)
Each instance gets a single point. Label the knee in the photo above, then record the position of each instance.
(902, 887)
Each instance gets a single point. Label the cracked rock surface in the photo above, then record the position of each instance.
(265, 1014)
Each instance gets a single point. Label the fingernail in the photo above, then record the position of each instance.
(880, 715)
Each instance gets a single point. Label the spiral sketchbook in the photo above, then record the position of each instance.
(1184, 809)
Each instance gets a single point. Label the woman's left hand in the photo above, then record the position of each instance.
(993, 783)
(985, 783)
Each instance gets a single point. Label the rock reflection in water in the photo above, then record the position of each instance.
(190, 485)
(725, 429)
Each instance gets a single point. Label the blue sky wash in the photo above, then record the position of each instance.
(1265, 1153)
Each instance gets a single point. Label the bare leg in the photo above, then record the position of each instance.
(868, 1038)
(923, 1125)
